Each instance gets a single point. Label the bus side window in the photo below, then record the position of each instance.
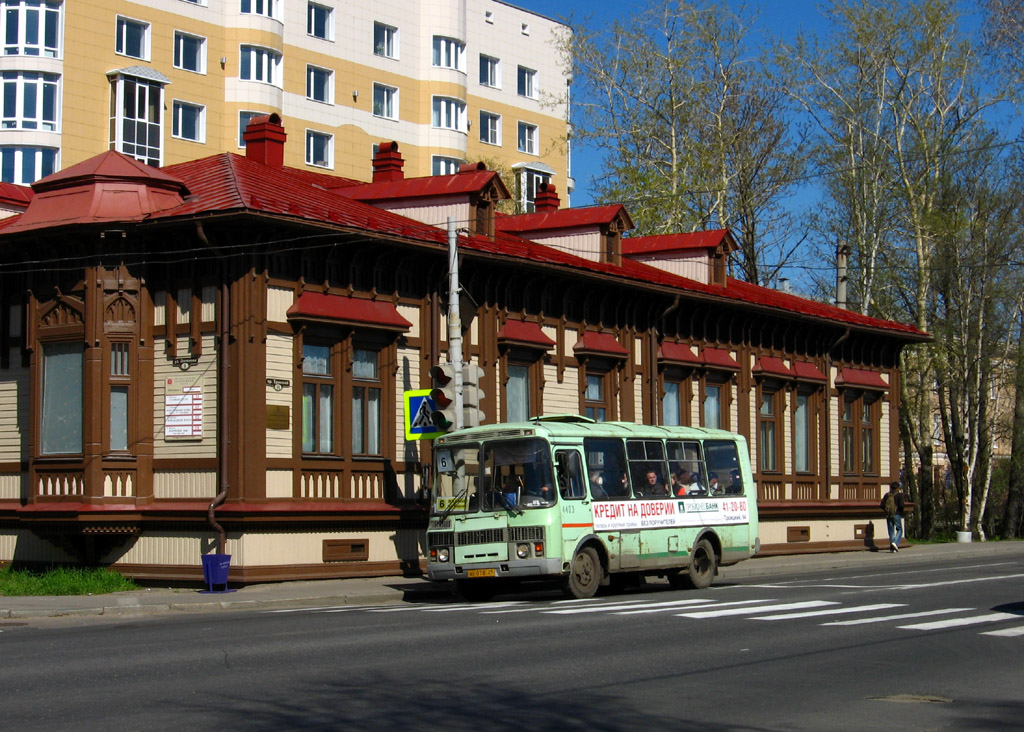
(606, 466)
(570, 474)
(723, 460)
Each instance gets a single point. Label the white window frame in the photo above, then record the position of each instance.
(527, 182)
(490, 128)
(19, 90)
(142, 127)
(527, 144)
(390, 34)
(123, 23)
(177, 107)
(448, 113)
(328, 140)
(389, 101)
(265, 8)
(492, 77)
(328, 78)
(526, 82)
(265, 62)
(179, 52)
(25, 164)
(247, 115)
(444, 165)
(449, 53)
(312, 11)
(46, 24)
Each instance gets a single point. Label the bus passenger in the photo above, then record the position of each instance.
(714, 488)
(652, 487)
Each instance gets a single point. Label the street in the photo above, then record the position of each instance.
(932, 646)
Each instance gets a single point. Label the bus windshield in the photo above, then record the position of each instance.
(502, 475)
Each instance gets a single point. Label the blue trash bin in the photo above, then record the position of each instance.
(215, 570)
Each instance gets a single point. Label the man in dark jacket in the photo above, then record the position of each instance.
(892, 505)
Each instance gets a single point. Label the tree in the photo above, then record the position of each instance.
(695, 130)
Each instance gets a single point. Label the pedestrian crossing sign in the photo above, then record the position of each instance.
(418, 425)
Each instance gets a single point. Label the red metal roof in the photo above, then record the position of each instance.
(463, 183)
(601, 343)
(773, 366)
(678, 353)
(15, 195)
(677, 242)
(807, 371)
(563, 218)
(718, 358)
(524, 332)
(860, 377)
(324, 307)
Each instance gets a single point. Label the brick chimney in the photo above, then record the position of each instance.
(264, 140)
(546, 199)
(387, 163)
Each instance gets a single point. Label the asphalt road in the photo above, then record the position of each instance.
(932, 647)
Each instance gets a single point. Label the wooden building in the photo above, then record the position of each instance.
(225, 343)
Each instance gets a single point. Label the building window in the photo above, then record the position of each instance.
(266, 8)
(30, 100)
(860, 420)
(768, 432)
(803, 434)
(517, 393)
(189, 121)
(366, 391)
(320, 21)
(526, 82)
(385, 40)
(449, 114)
(60, 427)
(713, 405)
(120, 374)
(449, 53)
(132, 38)
(26, 165)
(527, 138)
(136, 107)
(385, 101)
(527, 182)
(31, 28)
(244, 118)
(317, 400)
(319, 84)
(260, 64)
(490, 128)
(490, 71)
(595, 403)
(189, 52)
(319, 149)
(671, 407)
(440, 165)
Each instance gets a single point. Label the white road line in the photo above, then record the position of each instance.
(335, 608)
(717, 613)
(952, 582)
(832, 611)
(960, 622)
(1006, 632)
(474, 606)
(901, 616)
(660, 607)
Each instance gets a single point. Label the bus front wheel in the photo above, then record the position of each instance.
(584, 575)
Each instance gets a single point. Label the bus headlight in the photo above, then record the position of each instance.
(442, 555)
(523, 551)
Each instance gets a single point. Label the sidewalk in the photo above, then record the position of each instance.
(388, 590)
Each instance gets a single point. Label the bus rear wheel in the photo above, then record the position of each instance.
(702, 565)
(585, 574)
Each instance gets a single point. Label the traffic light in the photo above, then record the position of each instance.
(472, 395)
(443, 395)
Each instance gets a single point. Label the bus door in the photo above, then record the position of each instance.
(577, 517)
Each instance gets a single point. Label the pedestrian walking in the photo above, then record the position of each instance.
(892, 505)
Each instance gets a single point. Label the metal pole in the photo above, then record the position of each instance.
(454, 322)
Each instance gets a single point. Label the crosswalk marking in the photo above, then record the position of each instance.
(960, 622)
(751, 610)
(1006, 632)
(831, 611)
(661, 607)
(901, 616)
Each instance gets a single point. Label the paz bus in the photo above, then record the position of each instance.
(588, 504)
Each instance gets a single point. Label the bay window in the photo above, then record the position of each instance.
(60, 428)
(31, 28)
(449, 114)
(366, 402)
(318, 419)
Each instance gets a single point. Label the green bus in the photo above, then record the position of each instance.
(589, 504)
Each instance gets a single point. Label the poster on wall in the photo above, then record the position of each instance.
(183, 408)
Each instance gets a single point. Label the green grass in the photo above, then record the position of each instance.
(62, 581)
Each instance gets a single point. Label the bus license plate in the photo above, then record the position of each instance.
(481, 573)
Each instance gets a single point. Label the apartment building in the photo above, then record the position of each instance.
(166, 81)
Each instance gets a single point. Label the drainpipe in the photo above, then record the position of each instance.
(222, 380)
